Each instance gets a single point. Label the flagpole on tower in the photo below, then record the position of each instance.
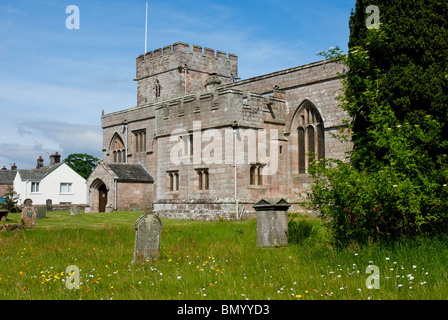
(146, 29)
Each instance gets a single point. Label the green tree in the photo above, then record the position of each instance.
(395, 90)
(82, 163)
(11, 200)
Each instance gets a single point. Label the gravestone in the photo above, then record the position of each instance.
(41, 212)
(148, 229)
(272, 222)
(29, 214)
(49, 205)
(74, 211)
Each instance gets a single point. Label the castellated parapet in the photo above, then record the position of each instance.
(179, 69)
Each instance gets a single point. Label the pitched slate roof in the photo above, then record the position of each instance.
(38, 174)
(130, 172)
(7, 177)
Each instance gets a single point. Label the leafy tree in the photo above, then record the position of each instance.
(82, 163)
(395, 90)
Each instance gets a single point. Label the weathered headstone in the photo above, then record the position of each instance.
(41, 212)
(49, 205)
(29, 214)
(148, 229)
(272, 222)
(74, 211)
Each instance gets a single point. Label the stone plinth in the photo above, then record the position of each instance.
(272, 222)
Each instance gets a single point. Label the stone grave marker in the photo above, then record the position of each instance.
(272, 222)
(29, 214)
(74, 211)
(148, 229)
(41, 212)
(49, 205)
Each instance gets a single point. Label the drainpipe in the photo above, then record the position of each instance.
(186, 70)
(116, 196)
(235, 132)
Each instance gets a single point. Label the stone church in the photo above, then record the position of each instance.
(203, 144)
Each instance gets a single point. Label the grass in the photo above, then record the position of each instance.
(208, 260)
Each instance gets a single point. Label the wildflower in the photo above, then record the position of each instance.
(298, 296)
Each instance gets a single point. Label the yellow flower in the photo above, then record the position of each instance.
(170, 260)
(298, 296)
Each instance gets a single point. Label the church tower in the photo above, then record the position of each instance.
(176, 70)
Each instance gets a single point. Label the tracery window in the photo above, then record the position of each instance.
(311, 140)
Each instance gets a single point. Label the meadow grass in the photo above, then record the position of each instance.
(208, 260)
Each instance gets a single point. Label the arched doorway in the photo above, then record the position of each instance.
(98, 196)
(102, 198)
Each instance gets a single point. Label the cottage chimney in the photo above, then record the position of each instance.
(4, 168)
(40, 162)
(55, 158)
(14, 167)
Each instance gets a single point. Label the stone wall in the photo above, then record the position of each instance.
(165, 67)
(213, 107)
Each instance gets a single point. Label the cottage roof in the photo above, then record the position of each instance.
(130, 172)
(38, 174)
(7, 177)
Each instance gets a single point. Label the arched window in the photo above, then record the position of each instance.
(310, 137)
(117, 149)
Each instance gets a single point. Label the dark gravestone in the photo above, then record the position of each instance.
(41, 212)
(49, 205)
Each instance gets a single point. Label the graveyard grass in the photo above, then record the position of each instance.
(208, 260)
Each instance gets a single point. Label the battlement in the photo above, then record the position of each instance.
(187, 48)
(181, 69)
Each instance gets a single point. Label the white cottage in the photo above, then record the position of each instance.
(57, 182)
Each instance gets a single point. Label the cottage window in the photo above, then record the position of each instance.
(34, 187)
(65, 187)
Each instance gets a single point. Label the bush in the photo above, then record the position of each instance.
(11, 201)
(300, 230)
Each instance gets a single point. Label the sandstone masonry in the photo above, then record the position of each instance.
(189, 114)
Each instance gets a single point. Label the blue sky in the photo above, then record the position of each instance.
(54, 82)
